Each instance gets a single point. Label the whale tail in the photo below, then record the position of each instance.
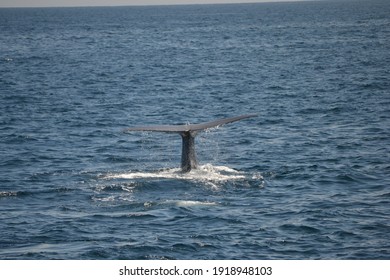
(188, 133)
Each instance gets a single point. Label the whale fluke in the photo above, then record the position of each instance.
(188, 133)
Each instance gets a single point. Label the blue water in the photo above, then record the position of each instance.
(309, 178)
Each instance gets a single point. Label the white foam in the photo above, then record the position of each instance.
(206, 173)
(8, 194)
(190, 203)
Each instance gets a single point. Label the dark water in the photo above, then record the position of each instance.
(307, 179)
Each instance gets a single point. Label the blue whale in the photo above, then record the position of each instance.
(188, 133)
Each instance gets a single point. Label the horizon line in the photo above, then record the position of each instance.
(155, 4)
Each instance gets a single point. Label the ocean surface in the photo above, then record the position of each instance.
(309, 178)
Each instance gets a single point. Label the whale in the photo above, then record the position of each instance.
(188, 132)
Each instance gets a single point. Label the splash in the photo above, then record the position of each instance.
(206, 172)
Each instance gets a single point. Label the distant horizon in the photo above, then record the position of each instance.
(107, 3)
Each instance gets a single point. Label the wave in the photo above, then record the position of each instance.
(191, 203)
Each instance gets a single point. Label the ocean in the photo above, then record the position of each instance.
(308, 178)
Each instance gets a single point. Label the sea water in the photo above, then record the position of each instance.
(309, 178)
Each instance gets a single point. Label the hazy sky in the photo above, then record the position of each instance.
(66, 3)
